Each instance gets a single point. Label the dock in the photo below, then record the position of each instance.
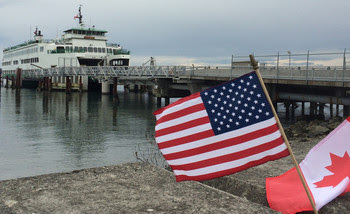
(292, 84)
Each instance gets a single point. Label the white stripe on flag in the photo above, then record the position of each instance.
(231, 164)
(180, 106)
(227, 150)
(183, 133)
(214, 139)
(181, 120)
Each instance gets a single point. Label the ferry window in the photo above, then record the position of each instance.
(81, 49)
(109, 50)
(90, 49)
(103, 50)
(99, 50)
(76, 49)
(41, 49)
(95, 50)
(60, 49)
(85, 49)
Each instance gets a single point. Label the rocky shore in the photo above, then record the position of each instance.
(143, 188)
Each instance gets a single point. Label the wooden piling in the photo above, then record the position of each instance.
(40, 84)
(50, 84)
(68, 85)
(7, 82)
(115, 89)
(18, 78)
(13, 85)
(80, 84)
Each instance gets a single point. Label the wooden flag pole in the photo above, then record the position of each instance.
(256, 68)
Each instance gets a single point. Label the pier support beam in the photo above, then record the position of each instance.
(105, 86)
(167, 101)
(303, 108)
(287, 106)
(346, 111)
(159, 101)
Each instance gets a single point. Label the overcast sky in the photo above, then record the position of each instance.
(186, 32)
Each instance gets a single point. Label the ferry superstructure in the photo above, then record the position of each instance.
(80, 46)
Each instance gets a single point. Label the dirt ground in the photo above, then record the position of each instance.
(143, 188)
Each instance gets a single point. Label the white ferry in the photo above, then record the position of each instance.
(79, 46)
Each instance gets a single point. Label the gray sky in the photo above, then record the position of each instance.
(186, 32)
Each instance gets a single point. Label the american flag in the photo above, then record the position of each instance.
(219, 131)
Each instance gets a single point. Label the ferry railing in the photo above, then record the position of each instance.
(106, 71)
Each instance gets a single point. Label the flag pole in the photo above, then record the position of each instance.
(256, 68)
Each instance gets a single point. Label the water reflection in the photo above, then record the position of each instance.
(18, 101)
(55, 131)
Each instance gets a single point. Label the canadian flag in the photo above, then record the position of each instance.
(326, 169)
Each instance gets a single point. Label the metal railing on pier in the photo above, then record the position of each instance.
(322, 73)
(280, 67)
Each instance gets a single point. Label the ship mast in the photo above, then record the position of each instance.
(80, 17)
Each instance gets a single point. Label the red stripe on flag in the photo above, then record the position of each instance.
(178, 102)
(233, 170)
(229, 157)
(223, 144)
(187, 139)
(181, 113)
(183, 126)
(348, 119)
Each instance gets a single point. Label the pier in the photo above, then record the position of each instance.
(291, 84)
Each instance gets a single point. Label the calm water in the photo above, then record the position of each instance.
(50, 132)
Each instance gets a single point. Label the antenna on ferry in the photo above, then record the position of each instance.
(80, 17)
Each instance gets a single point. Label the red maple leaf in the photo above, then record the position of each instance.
(340, 168)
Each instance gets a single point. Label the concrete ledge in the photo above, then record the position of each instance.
(128, 188)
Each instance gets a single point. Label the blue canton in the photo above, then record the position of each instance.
(236, 104)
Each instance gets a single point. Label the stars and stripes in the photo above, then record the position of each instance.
(219, 131)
